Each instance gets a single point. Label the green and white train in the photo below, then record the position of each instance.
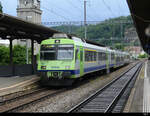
(62, 60)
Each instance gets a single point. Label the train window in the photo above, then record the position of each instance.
(90, 56)
(76, 55)
(112, 56)
(57, 52)
(94, 56)
(48, 52)
(65, 53)
(101, 56)
(50, 55)
(86, 56)
(104, 56)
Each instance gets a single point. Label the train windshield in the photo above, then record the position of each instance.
(65, 52)
(48, 52)
(57, 52)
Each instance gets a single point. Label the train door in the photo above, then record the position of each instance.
(115, 60)
(81, 61)
(107, 61)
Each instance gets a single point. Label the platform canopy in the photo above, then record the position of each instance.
(141, 16)
(15, 28)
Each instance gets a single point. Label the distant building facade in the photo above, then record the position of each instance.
(130, 36)
(4, 42)
(134, 50)
(29, 10)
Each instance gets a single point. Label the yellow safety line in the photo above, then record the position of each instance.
(90, 61)
(90, 50)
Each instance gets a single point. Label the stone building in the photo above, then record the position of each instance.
(131, 36)
(29, 10)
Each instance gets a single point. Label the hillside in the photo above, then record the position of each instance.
(109, 30)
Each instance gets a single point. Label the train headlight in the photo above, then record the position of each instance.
(67, 67)
(43, 67)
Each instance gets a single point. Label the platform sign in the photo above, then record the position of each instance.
(57, 41)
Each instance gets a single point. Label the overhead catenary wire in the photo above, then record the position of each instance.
(95, 12)
(120, 8)
(55, 13)
(79, 8)
(66, 11)
(108, 7)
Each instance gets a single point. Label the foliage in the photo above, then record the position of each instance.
(143, 56)
(1, 8)
(119, 46)
(102, 32)
(4, 55)
(19, 55)
(105, 29)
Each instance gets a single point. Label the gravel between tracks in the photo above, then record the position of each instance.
(66, 100)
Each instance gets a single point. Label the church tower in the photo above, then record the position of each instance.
(29, 10)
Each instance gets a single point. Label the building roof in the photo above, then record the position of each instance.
(20, 29)
(16, 28)
(140, 13)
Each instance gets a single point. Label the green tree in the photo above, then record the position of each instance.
(4, 55)
(119, 46)
(143, 56)
(19, 54)
(1, 8)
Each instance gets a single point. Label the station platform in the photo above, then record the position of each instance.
(14, 84)
(139, 99)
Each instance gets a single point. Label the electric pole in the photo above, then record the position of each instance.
(85, 28)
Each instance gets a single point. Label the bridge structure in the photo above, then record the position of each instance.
(140, 13)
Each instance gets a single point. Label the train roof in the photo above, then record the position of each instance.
(88, 43)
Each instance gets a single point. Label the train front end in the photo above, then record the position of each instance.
(56, 64)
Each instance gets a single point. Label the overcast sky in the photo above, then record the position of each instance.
(72, 10)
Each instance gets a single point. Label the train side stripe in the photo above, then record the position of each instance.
(75, 72)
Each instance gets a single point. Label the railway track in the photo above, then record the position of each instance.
(16, 103)
(110, 98)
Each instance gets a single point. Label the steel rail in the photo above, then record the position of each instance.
(19, 96)
(90, 98)
(30, 100)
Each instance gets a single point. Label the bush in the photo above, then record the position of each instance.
(143, 56)
(4, 55)
(19, 55)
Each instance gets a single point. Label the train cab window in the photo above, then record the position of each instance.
(65, 52)
(48, 52)
(57, 52)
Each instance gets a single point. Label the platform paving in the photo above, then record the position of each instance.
(139, 99)
(14, 84)
(146, 96)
